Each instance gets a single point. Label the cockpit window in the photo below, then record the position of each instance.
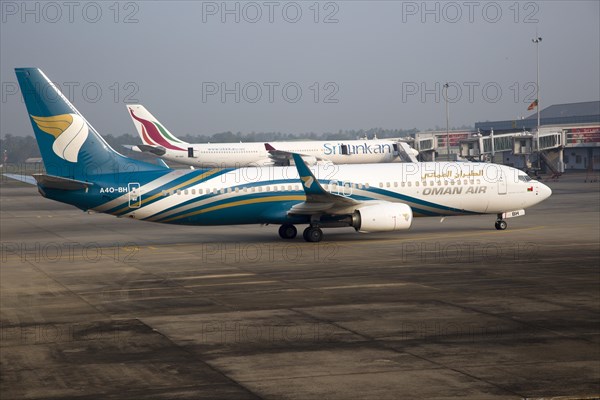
(524, 178)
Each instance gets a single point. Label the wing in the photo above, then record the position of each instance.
(318, 200)
(364, 216)
(284, 158)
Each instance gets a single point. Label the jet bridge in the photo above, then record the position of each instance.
(547, 147)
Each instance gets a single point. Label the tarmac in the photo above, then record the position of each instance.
(96, 307)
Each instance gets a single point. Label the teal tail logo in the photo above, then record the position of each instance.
(308, 181)
(70, 132)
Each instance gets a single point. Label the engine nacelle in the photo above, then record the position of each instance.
(382, 217)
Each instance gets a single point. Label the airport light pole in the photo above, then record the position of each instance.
(447, 122)
(537, 41)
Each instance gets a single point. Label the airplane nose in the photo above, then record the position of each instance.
(545, 191)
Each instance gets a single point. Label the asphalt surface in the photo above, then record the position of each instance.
(92, 306)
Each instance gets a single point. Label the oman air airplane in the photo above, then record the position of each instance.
(159, 141)
(84, 171)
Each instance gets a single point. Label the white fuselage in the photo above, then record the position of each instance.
(428, 188)
(235, 155)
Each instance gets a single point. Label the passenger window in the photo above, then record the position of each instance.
(417, 183)
(380, 184)
(409, 184)
(185, 192)
(387, 184)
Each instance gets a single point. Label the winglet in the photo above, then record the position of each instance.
(268, 147)
(310, 184)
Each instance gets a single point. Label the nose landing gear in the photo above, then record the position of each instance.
(500, 224)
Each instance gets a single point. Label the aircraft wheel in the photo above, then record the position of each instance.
(287, 231)
(501, 225)
(313, 234)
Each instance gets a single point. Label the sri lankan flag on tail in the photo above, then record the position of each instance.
(533, 105)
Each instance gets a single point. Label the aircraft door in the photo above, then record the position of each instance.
(135, 195)
(501, 182)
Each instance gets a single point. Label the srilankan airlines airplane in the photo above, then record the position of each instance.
(84, 171)
(157, 140)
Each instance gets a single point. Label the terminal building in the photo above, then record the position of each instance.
(569, 138)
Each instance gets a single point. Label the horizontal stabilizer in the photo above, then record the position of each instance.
(57, 182)
(22, 178)
(156, 150)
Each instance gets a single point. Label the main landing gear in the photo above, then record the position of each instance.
(311, 234)
(500, 223)
(287, 231)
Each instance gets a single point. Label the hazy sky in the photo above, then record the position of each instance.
(207, 67)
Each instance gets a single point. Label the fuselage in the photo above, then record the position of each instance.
(265, 195)
(235, 155)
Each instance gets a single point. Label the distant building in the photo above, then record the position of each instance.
(587, 112)
(569, 138)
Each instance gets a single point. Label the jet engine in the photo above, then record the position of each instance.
(382, 217)
(309, 160)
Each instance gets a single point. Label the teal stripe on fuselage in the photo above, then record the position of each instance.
(209, 195)
(122, 210)
(415, 204)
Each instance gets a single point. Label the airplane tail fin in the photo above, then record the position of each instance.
(70, 147)
(152, 132)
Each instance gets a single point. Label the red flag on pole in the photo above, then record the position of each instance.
(532, 105)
